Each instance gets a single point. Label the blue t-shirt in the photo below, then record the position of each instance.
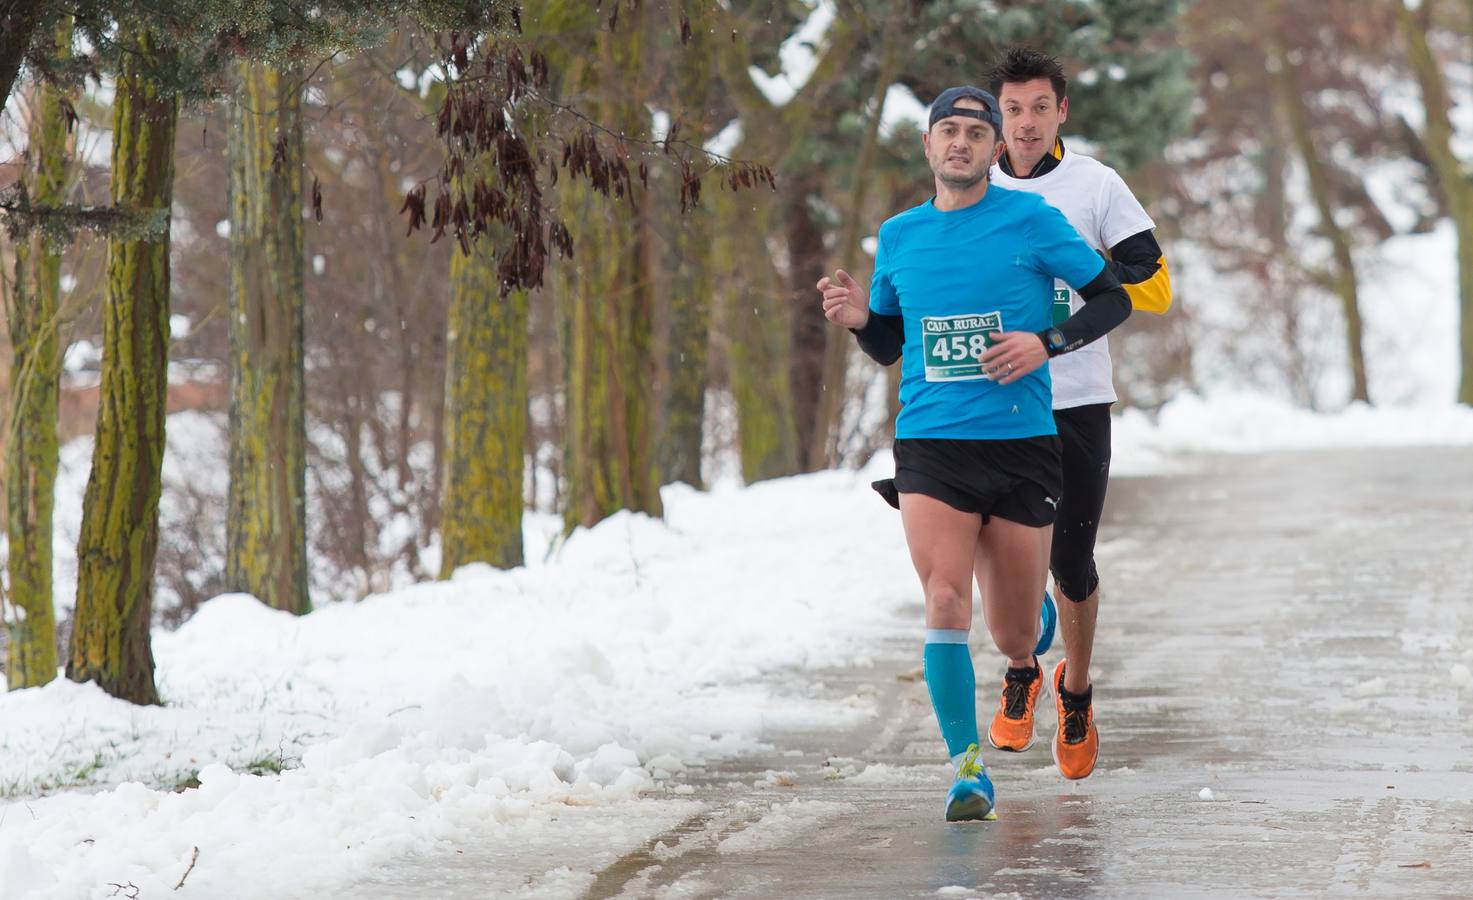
(955, 277)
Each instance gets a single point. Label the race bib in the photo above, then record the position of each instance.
(953, 345)
(1061, 302)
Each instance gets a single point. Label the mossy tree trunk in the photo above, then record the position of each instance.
(609, 457)
(809, 340)
(683, 405)
(31, 456)
(756, 327)
(266, 543)
(119, 536)
(687, 355)
(609, 316)
(485, 416)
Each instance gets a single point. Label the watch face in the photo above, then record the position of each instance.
(1055, 338)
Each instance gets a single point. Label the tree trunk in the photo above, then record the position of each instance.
(119, 537)
(485, 417)
(1465, 305)
(1275, 162)
(690, 329)
(7, 358)
(837, 341)
(610, 461)
(266, 528)
(1453, 177)
(360, 408)
(683, 411)
(756, 326)
(31, 456)
(1343, 278)
(806, 259)
(790, 127)
(610, 448)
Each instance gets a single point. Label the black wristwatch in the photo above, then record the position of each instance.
(1053, 341)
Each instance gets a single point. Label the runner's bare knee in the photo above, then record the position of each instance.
(948, 606)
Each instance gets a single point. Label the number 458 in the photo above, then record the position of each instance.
(959, 346)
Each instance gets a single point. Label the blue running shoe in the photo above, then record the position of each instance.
(1048, 622)
(971, 797)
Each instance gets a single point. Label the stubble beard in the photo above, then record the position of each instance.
(959, 183)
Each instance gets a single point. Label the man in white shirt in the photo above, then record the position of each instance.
(1030, 86)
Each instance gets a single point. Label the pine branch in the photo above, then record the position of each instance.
(59, 225)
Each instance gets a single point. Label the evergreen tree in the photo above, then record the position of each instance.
(1130, 86)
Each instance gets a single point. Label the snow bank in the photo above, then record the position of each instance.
(1252, 423)
(489, 700)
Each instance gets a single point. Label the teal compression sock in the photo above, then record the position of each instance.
(953, 687)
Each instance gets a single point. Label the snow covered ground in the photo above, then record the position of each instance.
(592, 678)
(1252, 423)
(634, 651)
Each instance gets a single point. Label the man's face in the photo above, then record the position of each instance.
(1031, 117)
(961, 149)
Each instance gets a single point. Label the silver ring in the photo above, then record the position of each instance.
(1010, 367)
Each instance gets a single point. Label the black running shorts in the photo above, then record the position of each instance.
(1084, 432)
(1018, 480)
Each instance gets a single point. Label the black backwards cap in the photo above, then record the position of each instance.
(945, 106)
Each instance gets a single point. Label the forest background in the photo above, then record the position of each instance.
(350, 406)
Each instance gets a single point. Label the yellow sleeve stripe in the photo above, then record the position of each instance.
(1154, 294)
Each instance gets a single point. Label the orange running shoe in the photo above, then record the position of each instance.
(1077, 743)
(1012, 724)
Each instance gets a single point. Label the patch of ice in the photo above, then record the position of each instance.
(781, 824)
(1370, 688)
(882, 773)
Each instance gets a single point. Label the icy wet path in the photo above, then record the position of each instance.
(1293, 632)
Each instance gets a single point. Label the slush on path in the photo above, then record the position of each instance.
(1283, 701)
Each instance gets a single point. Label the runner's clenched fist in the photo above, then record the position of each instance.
(844, 301)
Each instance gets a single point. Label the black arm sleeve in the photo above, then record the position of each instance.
(1105, 306)
(882, 337)
(1136, 259)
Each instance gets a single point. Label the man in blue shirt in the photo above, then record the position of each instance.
(963, 293)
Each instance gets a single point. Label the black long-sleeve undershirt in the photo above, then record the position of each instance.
(1136, 259)
(882, 337)
(1105, 305)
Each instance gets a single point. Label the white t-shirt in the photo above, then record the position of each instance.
(1095, 200)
